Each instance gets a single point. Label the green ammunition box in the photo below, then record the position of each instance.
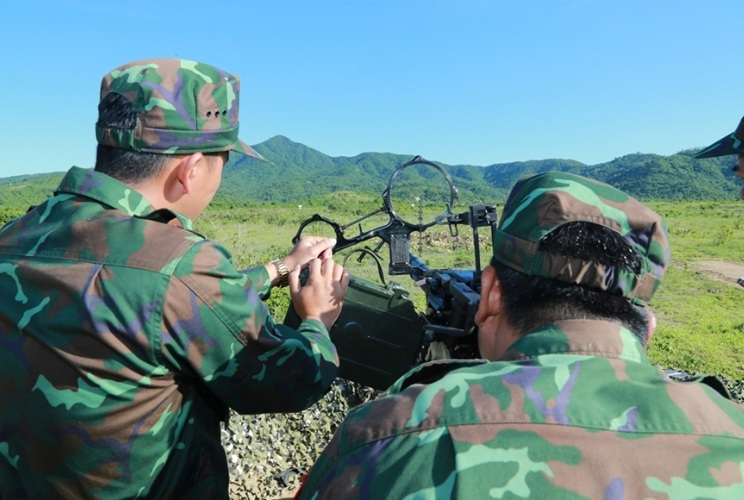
(377, 335)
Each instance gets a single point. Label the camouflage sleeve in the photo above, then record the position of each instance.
(216, 328)
(258, 278)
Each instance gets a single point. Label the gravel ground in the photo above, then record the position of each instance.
(735, 388)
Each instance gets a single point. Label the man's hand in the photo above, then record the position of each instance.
(307, 249)
(323, 294)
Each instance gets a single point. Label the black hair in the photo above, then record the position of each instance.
(125, 165)
(530, 301)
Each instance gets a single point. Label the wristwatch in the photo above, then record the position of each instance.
(281, 268)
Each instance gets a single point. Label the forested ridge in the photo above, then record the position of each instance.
(296, 173)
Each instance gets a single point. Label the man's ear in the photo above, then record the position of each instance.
(491, 301)
(183, 176)
(651, 325)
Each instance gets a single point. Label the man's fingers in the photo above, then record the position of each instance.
(345, 279)
(325, 248)
(320, 246)
(294, 280)
(315, 268)
(327, 269)
(338, 272)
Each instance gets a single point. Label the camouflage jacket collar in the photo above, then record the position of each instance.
(579, 337)
(109, 191)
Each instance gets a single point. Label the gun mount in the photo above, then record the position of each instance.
(379, 334)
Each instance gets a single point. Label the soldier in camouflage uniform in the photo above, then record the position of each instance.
(124, 334)
(568, 405)
(732, 144)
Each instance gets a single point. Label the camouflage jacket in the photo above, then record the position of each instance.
(124, 337)
(573, 410)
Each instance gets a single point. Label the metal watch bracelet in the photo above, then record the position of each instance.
(283, 270)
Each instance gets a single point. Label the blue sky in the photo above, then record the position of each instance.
(472, 82)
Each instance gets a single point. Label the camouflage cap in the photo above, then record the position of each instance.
(730, 145)
(538, 204)
(183, 107)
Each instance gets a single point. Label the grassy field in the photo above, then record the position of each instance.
(700, 320)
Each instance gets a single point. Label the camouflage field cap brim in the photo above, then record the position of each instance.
(730, 145)
(540, 203)
(183, 107)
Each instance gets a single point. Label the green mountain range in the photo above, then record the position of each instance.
(296, 173)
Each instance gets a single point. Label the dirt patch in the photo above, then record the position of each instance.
(721, 270)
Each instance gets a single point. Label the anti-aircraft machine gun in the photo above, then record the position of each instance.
(380, 335)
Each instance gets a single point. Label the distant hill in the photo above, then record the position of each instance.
(296, 173)
(27, 189)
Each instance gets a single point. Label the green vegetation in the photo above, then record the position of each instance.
(700, 321)
(296, 174)
(19, 193)
(700, 324)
